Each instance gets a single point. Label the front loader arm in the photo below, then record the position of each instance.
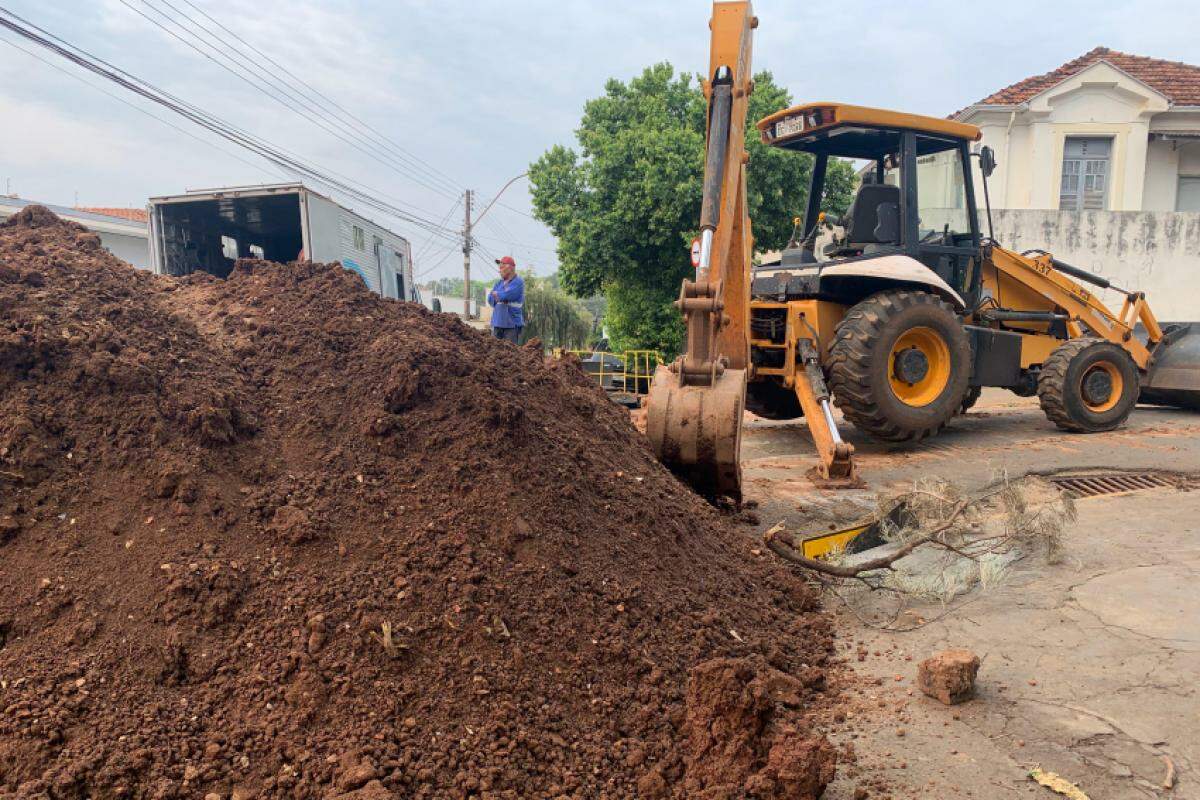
(1047, 278)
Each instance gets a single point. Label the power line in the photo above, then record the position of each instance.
(439, 262)
(281, 158)
(486, 252)
(396, 157)
(257, 83)
(430, 169)
(515, 243)
(421, 250)
(136, 108)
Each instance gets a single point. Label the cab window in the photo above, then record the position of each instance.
(941, 192)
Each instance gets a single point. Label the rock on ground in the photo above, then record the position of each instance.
(949, 675)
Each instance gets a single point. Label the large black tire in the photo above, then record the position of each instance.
(862, 367)
(1088, 386)
(771, 400)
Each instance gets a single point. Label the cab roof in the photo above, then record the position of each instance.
(853, 131)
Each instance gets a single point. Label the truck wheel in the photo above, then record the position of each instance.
(1088, 385)
(771, 400)
(899, 365)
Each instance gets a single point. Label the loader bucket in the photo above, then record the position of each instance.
(1173, 378)
(697, 430)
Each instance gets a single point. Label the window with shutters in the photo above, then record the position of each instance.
(1086, 162)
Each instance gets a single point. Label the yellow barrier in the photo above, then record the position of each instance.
(636, 371)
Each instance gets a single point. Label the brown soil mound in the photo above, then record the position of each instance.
(278, 537)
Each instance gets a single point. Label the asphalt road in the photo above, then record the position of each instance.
(1090, 664)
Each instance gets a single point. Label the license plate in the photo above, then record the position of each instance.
(786, 127)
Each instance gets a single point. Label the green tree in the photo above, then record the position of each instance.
(453, 287)
(626, 205)
(553, 316)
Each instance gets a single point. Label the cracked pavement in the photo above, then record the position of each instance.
(1089, 665)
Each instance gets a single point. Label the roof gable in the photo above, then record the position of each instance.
(1174, 80)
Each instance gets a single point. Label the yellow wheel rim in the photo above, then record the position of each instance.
(917, 348)
(1093, 400)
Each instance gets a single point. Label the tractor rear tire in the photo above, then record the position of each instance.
(899, 365)
(1088, 386)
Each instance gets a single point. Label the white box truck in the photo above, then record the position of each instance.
(208, 230)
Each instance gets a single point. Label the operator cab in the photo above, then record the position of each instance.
(915, 199)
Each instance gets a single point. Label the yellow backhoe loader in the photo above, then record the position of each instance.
(902, 317)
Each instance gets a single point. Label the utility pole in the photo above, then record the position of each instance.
(467, 256)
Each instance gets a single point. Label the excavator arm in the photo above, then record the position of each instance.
(694, 408)
(695, 404)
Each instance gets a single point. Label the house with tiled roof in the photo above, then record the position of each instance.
(122, 232)
(131, 214)
(1106, 131)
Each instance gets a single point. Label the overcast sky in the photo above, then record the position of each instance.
(477, 90)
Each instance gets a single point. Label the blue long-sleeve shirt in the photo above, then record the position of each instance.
(507, 300)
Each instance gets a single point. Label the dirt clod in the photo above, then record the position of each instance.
(322, 471)
(949, 675)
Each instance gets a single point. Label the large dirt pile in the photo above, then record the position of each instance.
(278, 537)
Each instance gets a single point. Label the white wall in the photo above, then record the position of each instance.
(1162, 176)
(1154, 252)
(134, 249)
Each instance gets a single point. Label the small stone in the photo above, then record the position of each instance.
(213, 796)
(653, 785)
(949, 675)
(190, 772)
(357, 776)
(9, 528)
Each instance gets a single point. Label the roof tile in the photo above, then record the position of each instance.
(134, 214)
(1178, 82)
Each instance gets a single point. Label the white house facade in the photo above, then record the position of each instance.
(1108, 131)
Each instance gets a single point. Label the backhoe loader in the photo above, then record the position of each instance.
(902, 317)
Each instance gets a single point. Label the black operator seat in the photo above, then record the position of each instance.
(874, 215)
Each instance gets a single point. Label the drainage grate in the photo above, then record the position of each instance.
(1082, 486)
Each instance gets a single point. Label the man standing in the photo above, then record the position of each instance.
(507, 300)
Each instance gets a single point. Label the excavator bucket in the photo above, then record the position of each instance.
(1173, 378)
(696, 430)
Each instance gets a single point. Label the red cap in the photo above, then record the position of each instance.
(506, 260)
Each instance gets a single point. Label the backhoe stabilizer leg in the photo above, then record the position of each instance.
(836, 469)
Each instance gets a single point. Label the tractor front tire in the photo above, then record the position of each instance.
(1088, 385)
(899, 365)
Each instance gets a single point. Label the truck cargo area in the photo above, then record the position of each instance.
(209, 235)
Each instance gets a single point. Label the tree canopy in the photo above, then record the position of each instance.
(554, 317)
(626, 204)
